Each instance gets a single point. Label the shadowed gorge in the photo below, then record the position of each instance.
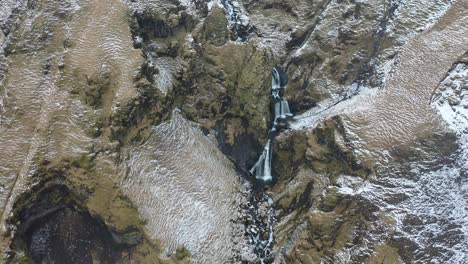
(233, 131)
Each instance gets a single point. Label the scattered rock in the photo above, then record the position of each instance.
(454, 100)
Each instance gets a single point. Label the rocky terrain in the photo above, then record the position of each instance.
(129, 130)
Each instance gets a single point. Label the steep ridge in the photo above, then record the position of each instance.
(392, 132)
(166, 127)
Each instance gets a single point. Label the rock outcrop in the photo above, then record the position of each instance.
(70, 214)
(222, 85)
(128, 130)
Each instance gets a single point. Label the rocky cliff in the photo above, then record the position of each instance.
(128, 130)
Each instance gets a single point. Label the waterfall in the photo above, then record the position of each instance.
(275, 83)
(282, 114)
(262, 169)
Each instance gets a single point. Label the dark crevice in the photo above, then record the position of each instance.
(241, 30)
(368, 69)
(53, 226)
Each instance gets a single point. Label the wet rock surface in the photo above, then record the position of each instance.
(130, 127)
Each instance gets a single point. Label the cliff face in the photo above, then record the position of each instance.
(128, 129)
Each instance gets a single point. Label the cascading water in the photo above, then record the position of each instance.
(261, 213)
(282, 114)
(262, 169)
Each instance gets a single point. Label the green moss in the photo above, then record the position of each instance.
(227, 89)
(215, 28)
(150, 107)
(384, 254)
(96, 88)
(289, 155)
(330, 200)
(329, 232)
(181, 253)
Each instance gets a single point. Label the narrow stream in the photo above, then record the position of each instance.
(71, 73)
(259, 227)
(238, 22)
(261, 212)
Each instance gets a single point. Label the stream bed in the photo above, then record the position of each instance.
(234, 131)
